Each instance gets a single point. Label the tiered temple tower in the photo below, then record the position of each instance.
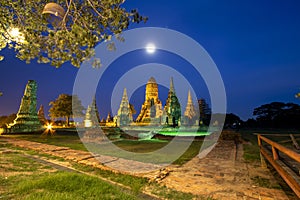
(27, 118)
(190, 116)
(92, 115)
(124, 116)
(172, 108)
(151, 111)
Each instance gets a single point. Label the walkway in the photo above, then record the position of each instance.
(83, 157)
(223, 174)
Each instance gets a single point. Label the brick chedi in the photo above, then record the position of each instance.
(172, 109)
(124, 116)
(92, 115)
(41, 115)
(190, 116)
(151, 111)
(27, 118)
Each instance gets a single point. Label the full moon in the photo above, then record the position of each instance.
(150, 48)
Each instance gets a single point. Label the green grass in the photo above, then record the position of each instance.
(251, 149)
(67, 185)
(179, 152)
(15, 162)
(71, 140)
(64, 185)
(182, 133)
(135, 183)
(264, 182)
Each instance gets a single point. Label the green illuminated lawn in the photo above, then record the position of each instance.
(181, 133)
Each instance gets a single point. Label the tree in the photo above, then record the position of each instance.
(204, 112)
(232, 120)
(62, 107)
(61, 31)
(5, 120)
(278, 115)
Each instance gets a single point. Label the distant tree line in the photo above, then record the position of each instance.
(275, 115)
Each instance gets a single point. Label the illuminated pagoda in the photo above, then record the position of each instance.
(190, 116)
(172, 109)
(92, 115)
(124, 116)
(151, 111)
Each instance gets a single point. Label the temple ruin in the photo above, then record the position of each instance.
(27, 117)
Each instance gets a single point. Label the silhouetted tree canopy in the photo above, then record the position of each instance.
(278, 115)
(62, 107)
(61, 30)
(232, 120)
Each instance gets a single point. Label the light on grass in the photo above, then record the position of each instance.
(150, 48)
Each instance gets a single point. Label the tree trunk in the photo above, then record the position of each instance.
(67, 120)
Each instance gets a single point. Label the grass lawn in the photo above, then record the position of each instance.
(144, 149)
(61, 185)
(251, 149)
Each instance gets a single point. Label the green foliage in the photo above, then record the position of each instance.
(63, 107)
(55, 39)
(5, 120)
(278, 115)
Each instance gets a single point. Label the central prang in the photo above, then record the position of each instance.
(151, 111)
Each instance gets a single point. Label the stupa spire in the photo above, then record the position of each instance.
(92, 117)
(190, 111)
(125, 97)
(172, 89)
(124, 116)
(172, 108)
(190, 100)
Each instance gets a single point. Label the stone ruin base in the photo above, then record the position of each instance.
(21, 128)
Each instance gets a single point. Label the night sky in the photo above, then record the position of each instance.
(255, 45)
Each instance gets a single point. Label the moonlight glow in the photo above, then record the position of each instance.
(150, 48)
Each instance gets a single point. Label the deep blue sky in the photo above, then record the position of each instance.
(254, 43)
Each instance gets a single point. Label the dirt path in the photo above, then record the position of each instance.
(223, 174)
